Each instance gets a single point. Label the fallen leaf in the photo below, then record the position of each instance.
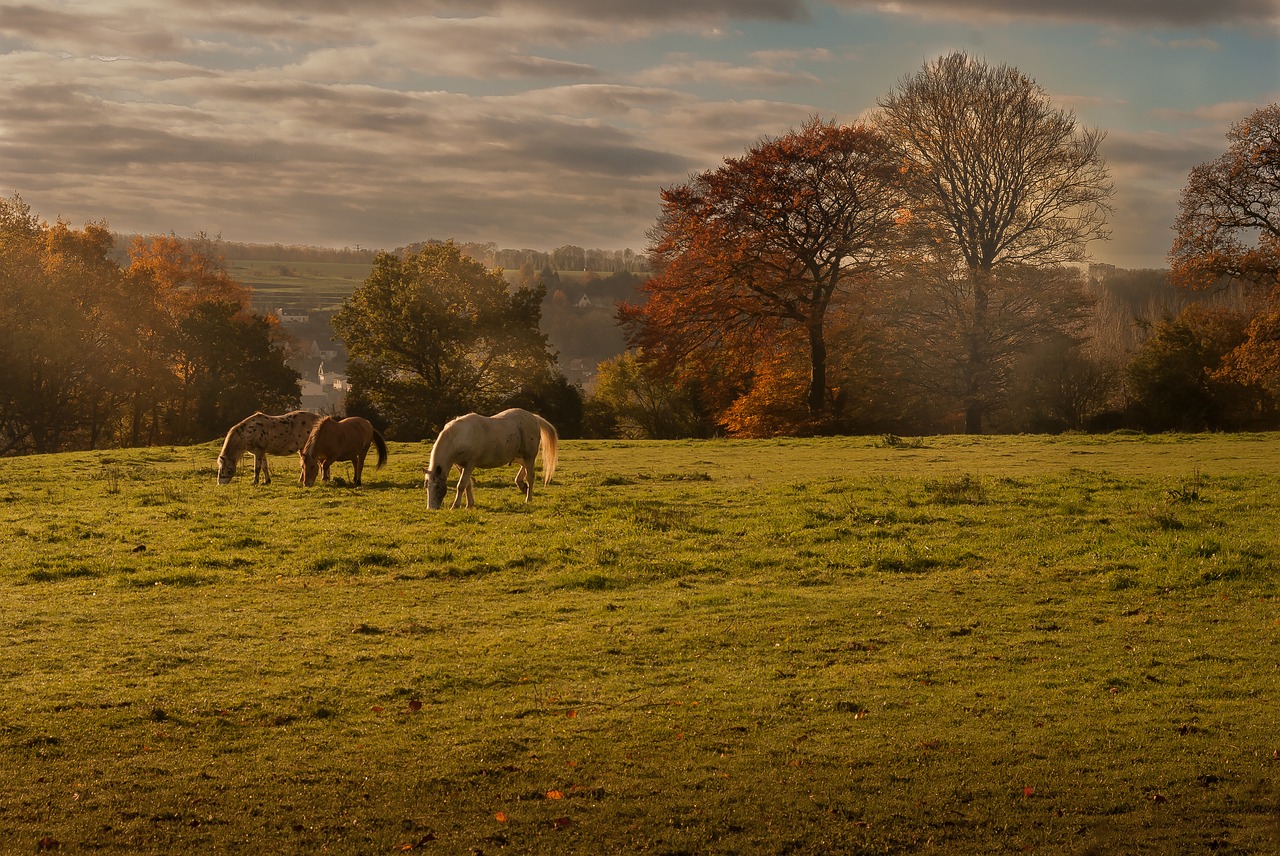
(377, 708)
(1028, 791)
(560, 822)
(415, 705)
(573, 714)
(500, 816)
(555, 795)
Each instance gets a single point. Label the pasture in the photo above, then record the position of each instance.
(862, 645)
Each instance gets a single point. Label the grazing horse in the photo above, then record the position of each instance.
(490, 441)
(333, 440)
(264, 435)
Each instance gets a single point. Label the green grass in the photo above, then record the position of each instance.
(300, 284)
(958, 645)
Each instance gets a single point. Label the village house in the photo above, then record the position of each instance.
(327, 393)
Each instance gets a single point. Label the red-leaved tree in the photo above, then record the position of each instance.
(751, 258)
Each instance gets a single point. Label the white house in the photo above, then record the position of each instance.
(290, 316)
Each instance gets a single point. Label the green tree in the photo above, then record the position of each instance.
(636, 401)
(232, 363)
(56, 295)
(432, 334)
(1177, 382)
(997, 177)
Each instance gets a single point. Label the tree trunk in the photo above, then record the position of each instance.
(978, 354)
(817, 370)
(973, 418)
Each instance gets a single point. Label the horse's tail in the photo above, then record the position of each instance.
(382, 448)
(550, 448)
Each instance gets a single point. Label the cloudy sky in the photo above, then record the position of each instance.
(539, 123)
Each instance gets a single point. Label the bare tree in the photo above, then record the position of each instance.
(998, 177)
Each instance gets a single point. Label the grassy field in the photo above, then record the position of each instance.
(300, 285)
(954, 645)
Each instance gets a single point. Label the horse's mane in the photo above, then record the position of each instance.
(315, 431)
(444, 440)
(232, 440)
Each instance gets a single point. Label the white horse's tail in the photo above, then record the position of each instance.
(550, 448)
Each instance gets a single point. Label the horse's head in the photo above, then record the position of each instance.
(310, 468)
(226, 468)
(436, 480)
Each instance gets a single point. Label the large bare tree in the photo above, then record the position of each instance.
(998, 178)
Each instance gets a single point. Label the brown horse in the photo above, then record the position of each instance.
(333, 440)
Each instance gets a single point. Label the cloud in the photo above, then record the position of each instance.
(1223, 113)
(704, 71)
(1163, 157)
(787, 58)
(1129, 13)
(1202, 43)
(531, 122)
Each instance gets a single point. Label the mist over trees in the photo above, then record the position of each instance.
(982, 316)
(922, 273)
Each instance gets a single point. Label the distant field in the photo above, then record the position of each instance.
(322, 285)
(848, 645)
(298, 285)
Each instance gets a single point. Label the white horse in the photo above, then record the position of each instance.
(490, 441)
(264, 435)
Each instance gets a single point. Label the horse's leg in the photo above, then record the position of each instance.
(358, 463)
(266, 469)
(464, 487)
(326, 470)
(524, 479)
(257, 466)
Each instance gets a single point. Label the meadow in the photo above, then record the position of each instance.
(300, 285)
(853, 645)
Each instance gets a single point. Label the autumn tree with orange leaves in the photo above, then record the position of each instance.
(1228, 229)
(752, 257)
(97, 355)
(1229, 216)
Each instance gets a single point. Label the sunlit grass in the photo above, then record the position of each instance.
(958, 644)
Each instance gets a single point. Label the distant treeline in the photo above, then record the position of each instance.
(568, 257)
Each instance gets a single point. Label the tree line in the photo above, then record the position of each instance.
(917, 273)
(95, 352)
(921, 273)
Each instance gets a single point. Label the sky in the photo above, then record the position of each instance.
(540, 123)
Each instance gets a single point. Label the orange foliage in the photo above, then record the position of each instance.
(1229, 220)
(184, 274)
(750, 258)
